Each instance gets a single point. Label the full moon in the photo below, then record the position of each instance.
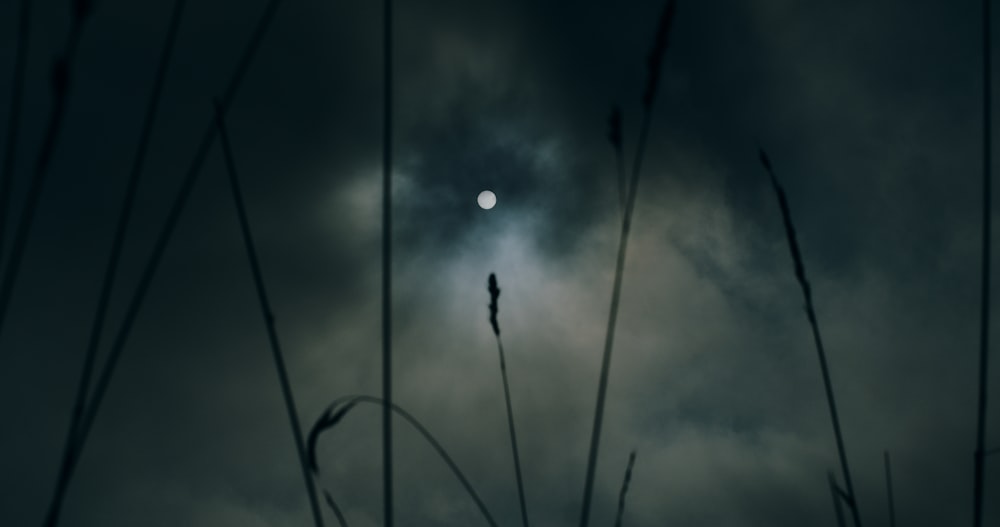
(487, 199)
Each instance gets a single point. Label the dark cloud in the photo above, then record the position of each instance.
(871, 114)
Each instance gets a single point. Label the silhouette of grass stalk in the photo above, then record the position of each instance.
(800, 274)
(163, 239)
(387, 263)
(837, 495)
(265, 306)
(494, 295)
(888, 490)
(654, 63)
(615, 137)
(61, 81)
(341, 407)
(624, 491)
(330, 502)
(14, 116)
(984, 309)
(112, 266)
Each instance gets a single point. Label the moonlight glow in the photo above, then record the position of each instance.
(487, 199)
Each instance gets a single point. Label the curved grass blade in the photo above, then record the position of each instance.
(331, 418)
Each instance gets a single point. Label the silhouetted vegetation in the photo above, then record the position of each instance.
(624, 491)
(494, 294)
(340, 408)
(800, 274)
(85, 420)
(265, 306)
(91, 391)
(60, 81)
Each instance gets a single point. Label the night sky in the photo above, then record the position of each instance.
(871, 112)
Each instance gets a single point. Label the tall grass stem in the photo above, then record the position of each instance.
(387, 264)
(494, 290)
(984, 309)
(513, 435)
(14, 116)
(616, 138)
(61, 81)
(624, 491)
(163, 239)
(888, 490)
(110, 272)
(265, 306)
(648, 99)
(836, 494)
(800, 275)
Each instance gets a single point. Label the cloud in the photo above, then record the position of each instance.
(868, 109)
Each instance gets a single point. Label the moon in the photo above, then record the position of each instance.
(487, 199)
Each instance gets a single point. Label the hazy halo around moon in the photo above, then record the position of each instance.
(487, 199)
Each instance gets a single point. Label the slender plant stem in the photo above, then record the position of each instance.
(800, 275)
(835, 493)
(335, 508)
(624, 491)
(330, 418)
(387, 264)
(602, 387)
(595, 437)
(616, 139)
(888, 490)
(649, 96)
(152, 265)
(265, 306)
(110, 272)
(513, 434)
(984, 310)
(61, 81)
(622, 178)
(14, 116)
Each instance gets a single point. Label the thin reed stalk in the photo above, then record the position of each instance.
(984, 309)
(14, 116)
(494, 295)
(800, 275)
(61, 81)
(387, 264)
(624, 491)
(112, 267)
(265, 306)
(836, 494)
(654, 63)
(330, 502)
(888, 490)
(341, 407)
(163, 240)
(615, 137)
